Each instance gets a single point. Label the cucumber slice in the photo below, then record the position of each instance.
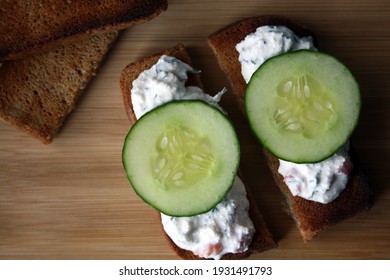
(302, 105)
(182, 157)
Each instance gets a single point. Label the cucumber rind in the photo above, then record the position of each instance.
(226, 171)
(281, 145)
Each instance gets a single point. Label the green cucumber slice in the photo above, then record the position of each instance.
(182, 157)
(302, 105)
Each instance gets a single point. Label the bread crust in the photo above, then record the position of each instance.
(262, 240)
(310, 217)
(34, 26)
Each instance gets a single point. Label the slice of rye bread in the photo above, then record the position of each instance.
(311, 217)
(27, 27)
(38, 93)
(262, 239)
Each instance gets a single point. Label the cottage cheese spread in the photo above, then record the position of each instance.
(225, 229)
(265, 42)
(323, 181)
(163, 82)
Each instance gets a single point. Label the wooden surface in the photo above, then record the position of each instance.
(71, 199)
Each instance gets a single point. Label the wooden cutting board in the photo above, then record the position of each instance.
(71, 199)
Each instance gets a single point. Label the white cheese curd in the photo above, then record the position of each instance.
(322, 181)
(266, 42)
(163, 82)
(225, 229)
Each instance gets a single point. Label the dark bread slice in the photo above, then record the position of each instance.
(262, 240)
(30, 26)
(38, 93)
(311, 217)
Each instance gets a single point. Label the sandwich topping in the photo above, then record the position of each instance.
(266, 42)
(227, 227)
(164, 82)
(322, 181)
(304, 107)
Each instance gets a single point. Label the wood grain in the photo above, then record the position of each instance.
(71, 199)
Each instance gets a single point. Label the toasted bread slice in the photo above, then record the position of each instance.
(31, 26)
(38, 93)
(262, 240)
(311, 217)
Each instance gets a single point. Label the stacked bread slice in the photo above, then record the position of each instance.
(262, 239)
(310, 217)
(50, 50)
